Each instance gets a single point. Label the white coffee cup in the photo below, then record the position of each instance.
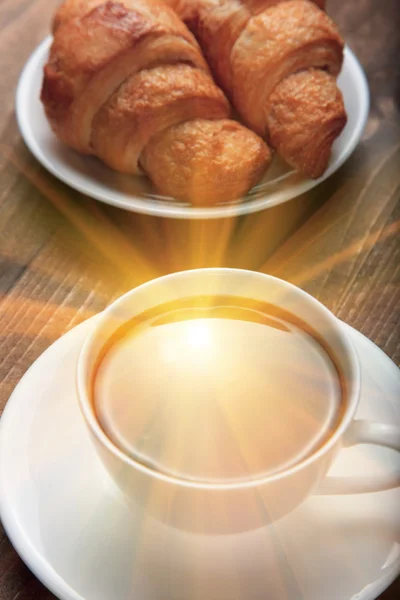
(226, 506)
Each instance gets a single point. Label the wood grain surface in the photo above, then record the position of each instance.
(64, 257)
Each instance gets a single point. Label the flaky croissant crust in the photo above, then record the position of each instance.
(253, 47)
(286, 38)
(93, 55)
(126, 81)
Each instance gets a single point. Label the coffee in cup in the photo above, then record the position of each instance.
(218, 399)
(218, 389)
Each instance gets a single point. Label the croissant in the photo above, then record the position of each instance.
(278, 61)
(127, 83)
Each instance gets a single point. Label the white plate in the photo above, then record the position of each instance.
(91, 177)
(69, 524)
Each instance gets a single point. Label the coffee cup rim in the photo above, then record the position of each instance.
(97, 431)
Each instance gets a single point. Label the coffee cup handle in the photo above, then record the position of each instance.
(365, 432)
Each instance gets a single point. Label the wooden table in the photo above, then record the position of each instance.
(65, 257)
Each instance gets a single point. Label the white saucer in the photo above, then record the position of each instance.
(91, 177)
(68, 523)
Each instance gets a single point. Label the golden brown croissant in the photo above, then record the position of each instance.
(126, 82)
(257, 50)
